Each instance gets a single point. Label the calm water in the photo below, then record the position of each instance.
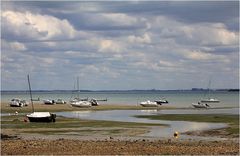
(176, 98)
(155, 131)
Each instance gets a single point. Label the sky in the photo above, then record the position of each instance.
(119, 45)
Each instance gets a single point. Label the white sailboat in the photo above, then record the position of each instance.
(77, 102)
(18, 103)
(148, 104)
(200, 105)
(39, 116)
(209, 99)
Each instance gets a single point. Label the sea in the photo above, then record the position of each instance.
(176, 98)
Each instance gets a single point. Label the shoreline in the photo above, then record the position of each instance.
(39, 106)
(119, 137)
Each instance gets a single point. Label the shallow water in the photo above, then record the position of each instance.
(155, 131)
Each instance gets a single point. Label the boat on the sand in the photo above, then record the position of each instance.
(148, 104)
(39, 116)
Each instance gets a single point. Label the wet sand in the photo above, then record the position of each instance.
(39, 106)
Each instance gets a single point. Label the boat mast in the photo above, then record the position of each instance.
(78, 86)
(209, 88)
(29, 85)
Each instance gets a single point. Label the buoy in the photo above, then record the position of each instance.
(176, 135)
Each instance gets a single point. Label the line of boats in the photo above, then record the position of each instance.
(16, 102)
(86, 102)
(78, 102)
(204, 103)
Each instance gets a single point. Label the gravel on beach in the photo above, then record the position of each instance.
(113, 146)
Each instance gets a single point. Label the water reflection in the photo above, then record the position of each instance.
(200, 111)
(156, 131)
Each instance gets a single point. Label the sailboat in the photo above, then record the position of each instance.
(149, 104)
(200, 105)
(77, 102)
(209, 99)
(39, 116)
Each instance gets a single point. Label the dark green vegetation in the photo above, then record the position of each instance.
(231, 120)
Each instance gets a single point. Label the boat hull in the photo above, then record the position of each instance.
(199, 106)
(210, 101)
(41, 119)
(148, 105)
(49, 118)
(82, 104)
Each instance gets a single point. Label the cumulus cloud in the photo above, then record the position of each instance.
(140, 43)
(195, 34)
(35, 26)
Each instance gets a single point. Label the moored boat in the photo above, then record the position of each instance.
(148, 104)
(161, 101)
(83, 104)
(200, 105)
(94, 102)
(49, 102)
(60, 101)
(18, 103)
(211, 100)
(39, 116)
(78, 102)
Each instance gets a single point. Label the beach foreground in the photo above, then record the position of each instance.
(113, 146)
(77, 136)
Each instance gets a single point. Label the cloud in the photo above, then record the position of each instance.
(118, 45)
(109, 46)
(198, 56)
(35, 26)
(14, 46)
(145, 38)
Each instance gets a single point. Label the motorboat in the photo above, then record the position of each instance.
(200, 105)
(18, 103)
(161, 101)
(49, 102)
(60, 101)
(148, 104)
(83, 104)
(211, 100)
(39, 116)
